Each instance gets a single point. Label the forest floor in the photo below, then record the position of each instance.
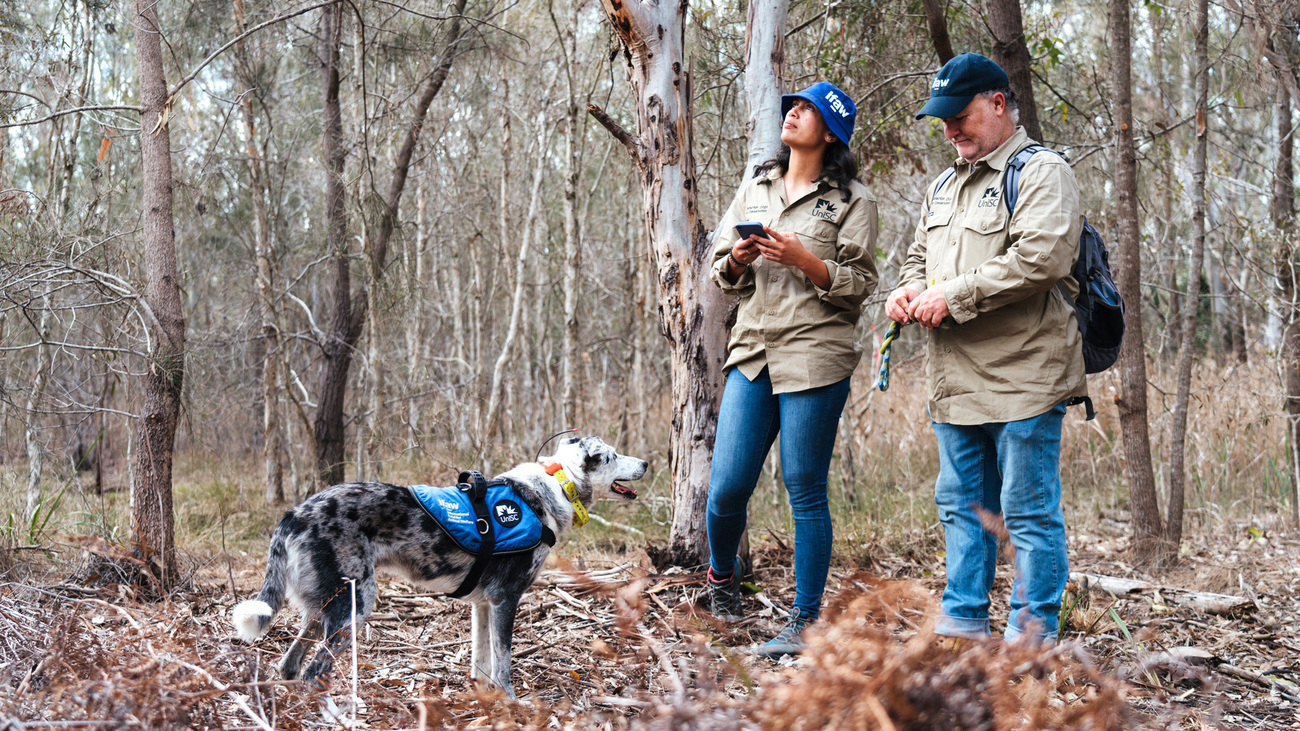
(604, 640)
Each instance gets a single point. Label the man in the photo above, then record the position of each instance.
(1004, 353)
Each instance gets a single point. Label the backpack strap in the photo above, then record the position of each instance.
(1011, 176)
(943, 180)
(1090, 412)
(1011, 193)
(473, 484)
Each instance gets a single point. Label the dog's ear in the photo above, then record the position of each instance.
(571, 439)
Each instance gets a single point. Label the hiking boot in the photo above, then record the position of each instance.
(724, 596)
(953, 645)
(789, 641)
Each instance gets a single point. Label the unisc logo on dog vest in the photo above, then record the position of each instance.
(507, 513)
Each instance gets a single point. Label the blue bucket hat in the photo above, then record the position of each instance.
(959, 81)
(838, 110)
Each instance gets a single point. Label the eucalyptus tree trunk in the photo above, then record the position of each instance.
(345, 326)
(272, 429)
(350, 313)
(1173, 533)
(938, 24)
(152, 526)
(35, 449)
(1009, 50)
(1283, 210)
(70, 157)
(692, 310)
(415, 259)
(521, 275)
(572, 226)
(1132, 360)
(764, 71)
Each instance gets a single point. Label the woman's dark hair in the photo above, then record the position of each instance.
(839, 166)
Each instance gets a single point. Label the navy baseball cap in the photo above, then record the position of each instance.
(959, 81)
(838, 110)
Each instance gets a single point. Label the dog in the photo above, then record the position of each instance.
(347, 531)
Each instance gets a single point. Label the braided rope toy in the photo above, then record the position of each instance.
(882, 380)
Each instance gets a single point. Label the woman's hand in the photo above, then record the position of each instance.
(739, 258)
(787, 249)
(783, 248)
(746, 251)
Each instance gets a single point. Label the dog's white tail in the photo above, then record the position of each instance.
(252, 618)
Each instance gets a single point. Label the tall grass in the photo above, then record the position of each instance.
(882, 477)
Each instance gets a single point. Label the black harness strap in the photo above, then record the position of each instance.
(475, 486)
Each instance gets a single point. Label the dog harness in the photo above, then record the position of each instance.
(483, 518)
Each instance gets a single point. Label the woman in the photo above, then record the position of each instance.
(801, 285)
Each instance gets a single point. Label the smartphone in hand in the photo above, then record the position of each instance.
(745, 229)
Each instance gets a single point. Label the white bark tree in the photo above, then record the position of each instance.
(764, 73)
(691, 310)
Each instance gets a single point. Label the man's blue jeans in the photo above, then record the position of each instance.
(1010, 469)
(748, 422)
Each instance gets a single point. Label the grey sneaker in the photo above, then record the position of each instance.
(724, 596)
(789, 641)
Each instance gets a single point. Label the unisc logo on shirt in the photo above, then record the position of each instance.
(824, 210)
(990, 198)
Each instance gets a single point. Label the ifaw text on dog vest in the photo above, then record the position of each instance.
(517, 527)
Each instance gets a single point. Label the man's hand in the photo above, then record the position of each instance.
(929, 308)
(896, 305)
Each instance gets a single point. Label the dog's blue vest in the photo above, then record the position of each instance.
(516, 526)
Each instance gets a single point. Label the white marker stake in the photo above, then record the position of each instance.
(356, 701)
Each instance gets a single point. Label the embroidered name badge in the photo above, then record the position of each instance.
(824, 210)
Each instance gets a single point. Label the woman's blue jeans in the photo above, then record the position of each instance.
(1010, 469)
(748, 422)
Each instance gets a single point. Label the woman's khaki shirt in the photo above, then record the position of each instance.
(803, 334)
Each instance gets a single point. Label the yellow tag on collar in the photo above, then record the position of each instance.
(580, 516)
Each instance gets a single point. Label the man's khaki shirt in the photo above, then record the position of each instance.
(1011, 349)
(801, 333)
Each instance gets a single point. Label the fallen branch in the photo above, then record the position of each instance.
(1203, 601)
(1261, 680)
(614, 524)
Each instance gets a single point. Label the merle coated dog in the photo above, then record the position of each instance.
(350, 530)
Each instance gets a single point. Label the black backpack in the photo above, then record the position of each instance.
(1098, 308)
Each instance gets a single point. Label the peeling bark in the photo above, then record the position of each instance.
(691, 310)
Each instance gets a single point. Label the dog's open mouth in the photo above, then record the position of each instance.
(624, 490)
